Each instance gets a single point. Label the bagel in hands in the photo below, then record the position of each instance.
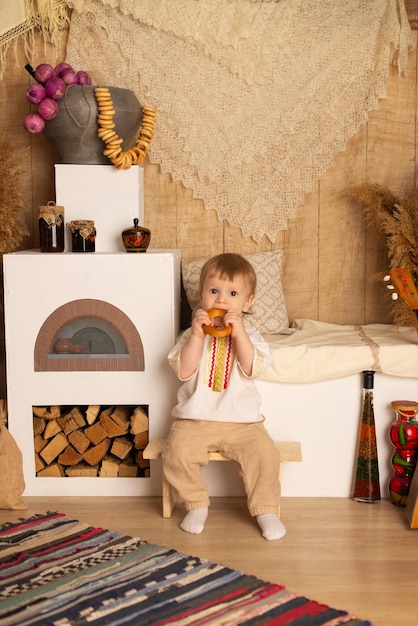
(217, 331)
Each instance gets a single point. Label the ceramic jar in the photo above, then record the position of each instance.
(136, 238)
(73, 133)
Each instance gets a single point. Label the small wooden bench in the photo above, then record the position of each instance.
(290, 451)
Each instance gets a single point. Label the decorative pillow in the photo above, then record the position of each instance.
(269, 313)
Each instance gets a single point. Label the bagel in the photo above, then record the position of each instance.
(217, 331)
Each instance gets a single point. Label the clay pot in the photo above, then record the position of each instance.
(73, 133)
(63, 345)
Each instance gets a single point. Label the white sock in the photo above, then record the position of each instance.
(194, 521)
(272, 528)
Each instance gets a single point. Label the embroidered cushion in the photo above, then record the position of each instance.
(269, 314)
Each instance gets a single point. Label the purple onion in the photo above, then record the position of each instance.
(61, 66)
(44, 72)
(55, 88)
(48, 109)
(36, 93)
(82, 78)
(34, 123)
(68, 75)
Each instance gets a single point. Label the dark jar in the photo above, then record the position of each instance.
(51, 228)
(83, 235)
(403, 435)
(136, 238)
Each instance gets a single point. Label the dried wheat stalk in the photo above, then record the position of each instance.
(12, 229)
(396, 222)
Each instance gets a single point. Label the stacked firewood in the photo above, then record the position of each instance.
(93, 441)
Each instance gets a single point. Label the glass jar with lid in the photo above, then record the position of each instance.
(83, 235)
(51, 228)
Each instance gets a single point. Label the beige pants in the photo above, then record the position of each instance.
(249, 445)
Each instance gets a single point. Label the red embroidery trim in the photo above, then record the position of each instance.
(228, 362)
(212, 362)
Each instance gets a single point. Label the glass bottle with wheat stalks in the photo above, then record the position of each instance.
(366, 484)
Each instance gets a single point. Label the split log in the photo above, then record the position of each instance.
(128, 468)
(83, 470)
(140, 461)
(95, 433)
(52, 428)
(38, 426)
(122, 415)
(109, 468)
(112, 429)
(78, 417)
(72, 421)
(79, 440)
(53, 413)
(39, 464)
(95, 455)
(121, 447)
(39, 443)
(139, 421)
(92, 413)
(141, 440)
(55, 471)
(70, 456)
(108, 410)
(54, 448)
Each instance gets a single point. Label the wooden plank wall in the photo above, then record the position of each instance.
(330, 254)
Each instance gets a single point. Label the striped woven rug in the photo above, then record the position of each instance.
(56, 571)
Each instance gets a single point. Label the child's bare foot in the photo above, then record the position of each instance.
(194, 521)
(271, 526)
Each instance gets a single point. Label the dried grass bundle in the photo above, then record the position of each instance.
(12, 228)
(396, 222)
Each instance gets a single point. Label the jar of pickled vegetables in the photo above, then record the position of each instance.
(403, 435)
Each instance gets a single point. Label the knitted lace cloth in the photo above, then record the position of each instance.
(253, 98)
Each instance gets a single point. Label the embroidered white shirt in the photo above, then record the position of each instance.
(219, 390)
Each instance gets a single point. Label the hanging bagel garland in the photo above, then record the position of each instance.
(122, 159)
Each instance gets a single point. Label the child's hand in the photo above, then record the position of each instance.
(200, 317)
(235, 320)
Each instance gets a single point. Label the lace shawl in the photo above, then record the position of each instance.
(254, 98)
(19, 19)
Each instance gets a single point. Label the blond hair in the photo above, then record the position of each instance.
(229, 264)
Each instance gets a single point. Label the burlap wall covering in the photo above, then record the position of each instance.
(12, 484)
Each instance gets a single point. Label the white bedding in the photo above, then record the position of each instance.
(316, 351)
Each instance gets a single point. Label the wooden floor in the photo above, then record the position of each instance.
(358, 557)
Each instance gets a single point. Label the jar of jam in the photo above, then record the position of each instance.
(83, 235)
(51, 228)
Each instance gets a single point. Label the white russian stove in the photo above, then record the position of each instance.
(142, 291)
(132, 295)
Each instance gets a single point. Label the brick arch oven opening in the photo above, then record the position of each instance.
(103, 338)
